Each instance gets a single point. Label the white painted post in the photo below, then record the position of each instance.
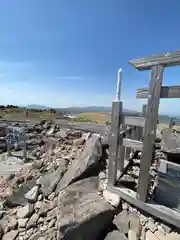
(119, 83)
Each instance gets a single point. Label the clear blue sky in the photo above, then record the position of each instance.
(67, 52)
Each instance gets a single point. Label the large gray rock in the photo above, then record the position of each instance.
(88, 158)
(50, 180)
(81, 212)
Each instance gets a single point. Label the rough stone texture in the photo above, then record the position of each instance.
(82, 213)
(135, 224)
(113, 198)
(22, 222)
(115, 235)
(122, 222)
(132, 235)
(25, 211)
(90, 156)
(10, 235)
(50, 180)
(32, 195)
(13, 223)
(32, 221)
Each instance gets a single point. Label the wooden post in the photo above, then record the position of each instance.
(150, 129)
(114, 142)
(115, 131)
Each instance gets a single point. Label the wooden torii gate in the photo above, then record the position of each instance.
(119, 141)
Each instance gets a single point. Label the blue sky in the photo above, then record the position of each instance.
(67, 52)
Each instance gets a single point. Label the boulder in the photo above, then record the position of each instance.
(85, 164)
(50, 180)
(81, 212)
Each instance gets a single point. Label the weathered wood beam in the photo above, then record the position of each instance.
(134, 121)
(150, 130)
(130, 143)
(164, 213)
(167, 60)
(114, 141)
(166, 92)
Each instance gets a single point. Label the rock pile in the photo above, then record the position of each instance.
(63, 195)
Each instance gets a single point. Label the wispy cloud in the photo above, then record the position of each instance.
(69, 78)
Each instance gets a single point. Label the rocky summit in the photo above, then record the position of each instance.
(60, 191)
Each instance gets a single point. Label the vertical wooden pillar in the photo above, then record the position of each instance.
(150, 130)
(114, 141)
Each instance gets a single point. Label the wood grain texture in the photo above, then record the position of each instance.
(166, 92)
(114, 141)
(150, 130)
(161, 212)
(130, 143)
(134, 121)
(167, 60)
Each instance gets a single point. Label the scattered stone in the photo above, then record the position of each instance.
(135, 224)
(124, 206)
(40, 197)
(50, 131)
(122, 222)
(1, 231)
(51, 223)
(78, 142)
(132, 235)
(112, 198)
(38, 205)
(25, 211)
(166, 228)
(32, 195)
(84, 210)
(151, 225)
(40, 220)
(151, 236)
(13, 223)
(22, 222)
(115, 235)
(61, 134)
(10, 235)
(32, 221)
(44, 209)
(51, 196)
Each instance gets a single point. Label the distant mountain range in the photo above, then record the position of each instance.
(36, 106)
(76, 109)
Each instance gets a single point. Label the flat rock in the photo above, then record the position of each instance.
(25, 211)
(122, 221)
(112, 198)
(87, 159)
(61, 134)
(115, 235)
(10, 235)
(50, 180)
(32, 195)
(13, 223)
(32, 221)
(22, 222)
(81, 212)
(135, 224)
(17, 198)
